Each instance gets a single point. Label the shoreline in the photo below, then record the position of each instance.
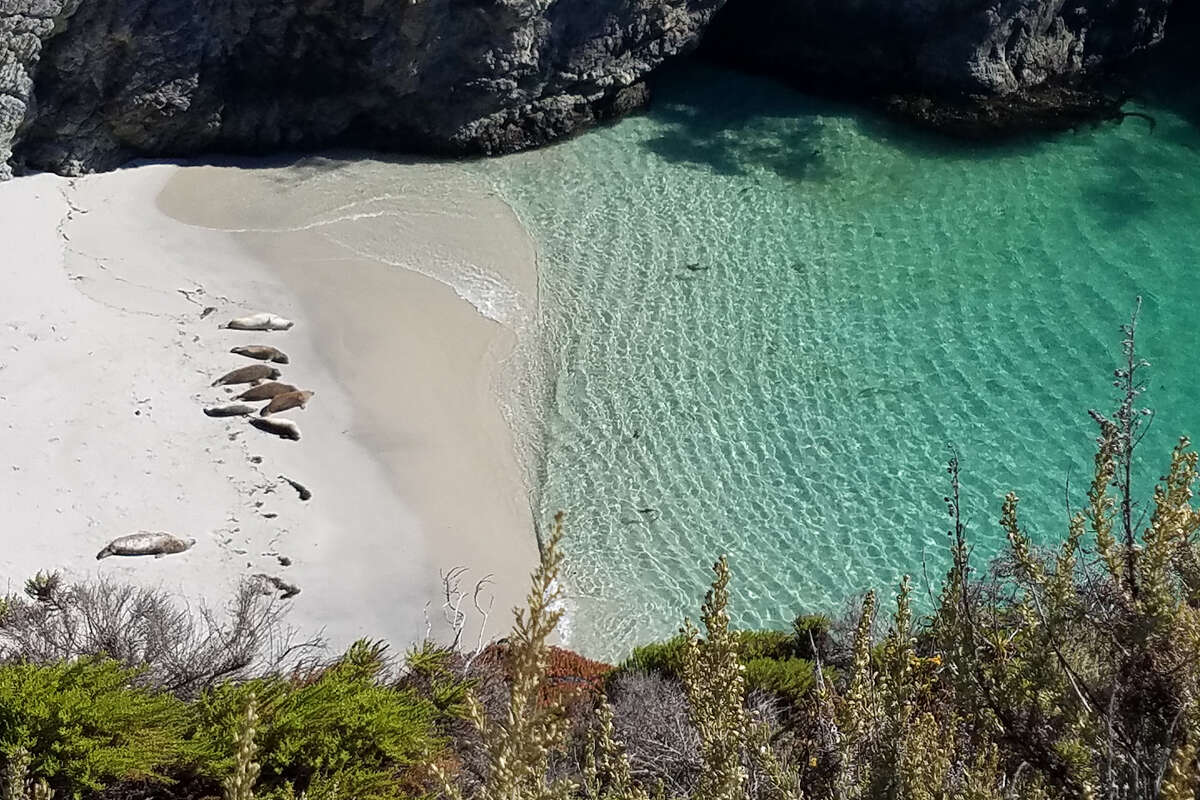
(400, 444)
(444, 281)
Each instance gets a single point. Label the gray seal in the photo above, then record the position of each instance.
(146, 543)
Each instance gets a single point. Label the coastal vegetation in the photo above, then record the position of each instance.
(1052, 672)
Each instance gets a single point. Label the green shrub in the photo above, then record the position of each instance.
(86, 724)
(791, 678)
(431, 675)
(772, 660)
(754, 645)
(339, 727)
(665, 658)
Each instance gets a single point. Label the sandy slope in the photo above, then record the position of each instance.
(106, 363)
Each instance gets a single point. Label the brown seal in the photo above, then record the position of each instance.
(250, 374)
(262, 352)
(282, 402)
(283, 428)
(266, 391)
(145, 543)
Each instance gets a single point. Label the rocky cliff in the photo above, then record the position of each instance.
(994, 56)
(86, 84)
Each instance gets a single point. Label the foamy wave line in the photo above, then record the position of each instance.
(324, 219)
(324, 222)
(485, 291)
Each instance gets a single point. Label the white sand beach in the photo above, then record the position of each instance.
(107, 360)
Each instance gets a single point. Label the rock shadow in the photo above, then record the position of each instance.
(1122, 201)
(730, 124)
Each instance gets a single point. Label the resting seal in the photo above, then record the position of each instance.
(266, 391)
(259, 322)
(262, 352)
(145, 543)
(283, 428)
(230, 410)
(250, 374)
(282, 402)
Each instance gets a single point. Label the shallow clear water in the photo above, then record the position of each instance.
(768, 316)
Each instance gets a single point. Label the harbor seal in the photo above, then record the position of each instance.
(145, 543)
(230, 410)
(250, 374)
(262, 352)
(259, 322)
(282, 402)
(266, 391)
(283, 428)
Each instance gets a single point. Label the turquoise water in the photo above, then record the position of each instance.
(768, 315)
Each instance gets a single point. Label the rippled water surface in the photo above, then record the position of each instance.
(769, 315)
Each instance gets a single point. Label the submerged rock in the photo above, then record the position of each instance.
(86, 85)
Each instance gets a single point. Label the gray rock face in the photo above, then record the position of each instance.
(24, 25)
(87, 84)
(935, 47)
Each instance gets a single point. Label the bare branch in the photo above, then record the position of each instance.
(180, 649)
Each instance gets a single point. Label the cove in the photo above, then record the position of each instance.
(766, 317)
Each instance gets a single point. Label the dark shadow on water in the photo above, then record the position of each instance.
(921, 142)
(1119, 206)
(1119, 194)
(1164, 87)
(731, 124)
